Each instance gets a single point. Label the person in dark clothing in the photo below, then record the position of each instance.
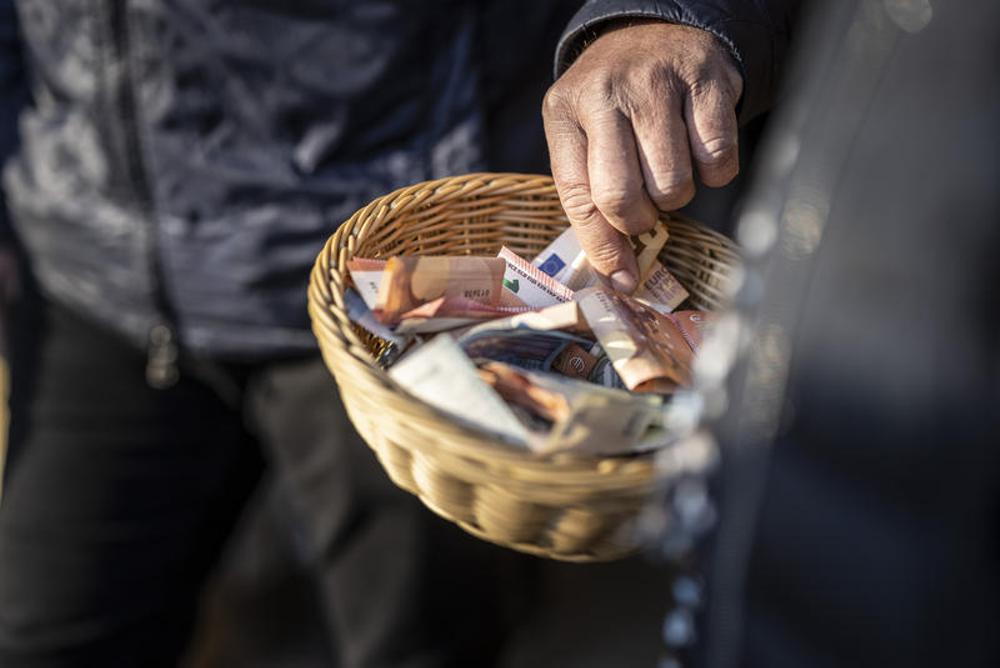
(861, 478)
(172, 174)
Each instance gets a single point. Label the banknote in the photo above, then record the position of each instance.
(445, 313)
(565, 260)
(419, 325)
(604, 373)
(531, 285)
(361, 315)
(599, 424)
(661, 290)
(525, 348)
(692, 325)
(516, 388)
(575, 361)
(410, 282)
(648, 246)
(591, 364)
(564, 316)
(366, 274)
(646, 348)
(585, 419)
(440, 374)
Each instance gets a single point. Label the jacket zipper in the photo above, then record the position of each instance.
(162, 348)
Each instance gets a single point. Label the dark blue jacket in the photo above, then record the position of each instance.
(181, 162)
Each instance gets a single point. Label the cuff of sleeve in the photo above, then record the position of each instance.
(750, 44)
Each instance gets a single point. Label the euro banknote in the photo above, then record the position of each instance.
(440, 374)
(585, 419)
(530, 284)
(410, 282)
(646, 348)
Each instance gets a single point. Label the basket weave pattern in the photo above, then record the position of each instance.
(559, 506)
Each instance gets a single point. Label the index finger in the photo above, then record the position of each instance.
(607, 249)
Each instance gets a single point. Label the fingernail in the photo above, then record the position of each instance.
(623, 281)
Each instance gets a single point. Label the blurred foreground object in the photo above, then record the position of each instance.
(861, 475)
(4, 417)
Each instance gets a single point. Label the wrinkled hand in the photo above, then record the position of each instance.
(624, 125)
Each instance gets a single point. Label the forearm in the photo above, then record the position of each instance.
(756, 33)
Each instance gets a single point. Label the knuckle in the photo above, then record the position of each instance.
(604, 254)
(726, 77)
(577, 203)
(656, 82)
(700, 74)
(648, 79)
(615, 202)
(713, 84)
(716, 151)
(556, 102)
(599, 96)
(700, 91)
(672, 191)
(669, 184)
(638, 224)
(551, 103)
(591, 97)
(653, 90)
(734, 81)
(703, 74)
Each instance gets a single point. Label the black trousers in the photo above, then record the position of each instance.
(118, 498)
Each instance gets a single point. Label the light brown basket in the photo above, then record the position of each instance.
(561, 507)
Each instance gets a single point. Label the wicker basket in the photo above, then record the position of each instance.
(559, 506)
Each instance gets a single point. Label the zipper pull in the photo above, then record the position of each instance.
(161, 361)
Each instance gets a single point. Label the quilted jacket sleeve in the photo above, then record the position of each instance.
(13, 95)
(756, 32)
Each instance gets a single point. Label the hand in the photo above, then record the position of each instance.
(624, 124)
